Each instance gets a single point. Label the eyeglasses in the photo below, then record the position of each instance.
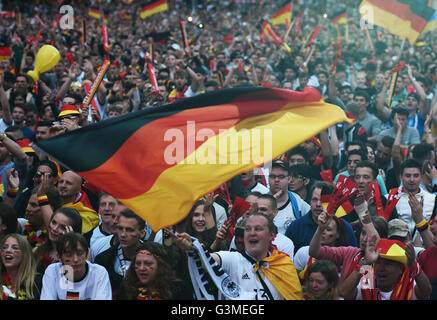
(39, 174)
(68, 117)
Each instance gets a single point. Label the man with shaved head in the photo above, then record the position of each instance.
(70, 189)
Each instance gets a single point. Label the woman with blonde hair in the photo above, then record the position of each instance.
(19, 279)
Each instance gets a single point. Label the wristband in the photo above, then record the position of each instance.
(425, 227)
(421, 224)
(43, 200)
(12, 192)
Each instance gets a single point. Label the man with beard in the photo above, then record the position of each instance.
(70, 188)
(182, 88)
(301, 231)
(248, 269)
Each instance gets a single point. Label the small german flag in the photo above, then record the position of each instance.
(172, 155)
(5, 53)
(94, 13)
(72, 295)
(153, 7)
(283, 15)
(339, 18)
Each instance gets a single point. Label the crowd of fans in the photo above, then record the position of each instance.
(61, 238)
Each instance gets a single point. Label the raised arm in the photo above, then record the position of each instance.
(13, 148)
(316, 241)
(423, 104)
(382, 111)
(46, 210)
(6, 109)
(184, 242)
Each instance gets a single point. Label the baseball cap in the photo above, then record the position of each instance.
(398, 228)
(281, 163)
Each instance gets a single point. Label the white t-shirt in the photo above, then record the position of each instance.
(220, 215)
(95, 285)
(259, 187)
(301, 258)
(241, 271)
(286, 215)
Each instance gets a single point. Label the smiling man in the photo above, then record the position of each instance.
(261, 271)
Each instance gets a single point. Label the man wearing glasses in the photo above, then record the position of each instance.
(290, 205)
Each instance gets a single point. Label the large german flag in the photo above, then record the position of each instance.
(159, 161)
(282, 15)
(153, 7)
(405, 18)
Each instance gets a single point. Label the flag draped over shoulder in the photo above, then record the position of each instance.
(153, 7)
(282, 15)
(405, 18)
(159, 161)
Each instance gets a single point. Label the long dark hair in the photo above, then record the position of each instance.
(76, 224)
(204, 238)
(164, 275)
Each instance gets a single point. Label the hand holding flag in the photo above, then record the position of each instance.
(344, 190)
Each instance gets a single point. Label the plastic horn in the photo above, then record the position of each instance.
(152, 75)
(87, 100)
(184, 38)
(46, 58)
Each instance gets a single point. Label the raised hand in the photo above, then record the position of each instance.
(183, 241)
(416, 207)
(371, 254)
(411, 255)
(323, 219)
(13, 179)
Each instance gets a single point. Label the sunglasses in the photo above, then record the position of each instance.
(39, 174)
